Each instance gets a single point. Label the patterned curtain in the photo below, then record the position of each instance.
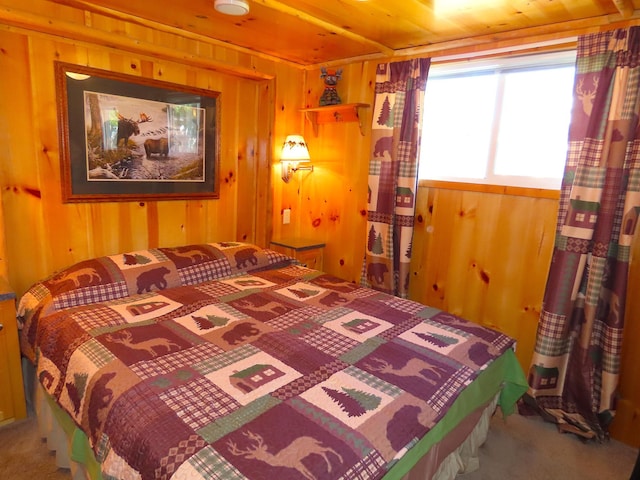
(575, 367)
(393, 172)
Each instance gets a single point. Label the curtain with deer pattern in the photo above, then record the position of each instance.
(574, 372)
(393, 172)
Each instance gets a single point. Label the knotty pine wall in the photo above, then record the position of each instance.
(43, 235)
(330, 203)
(484, 256)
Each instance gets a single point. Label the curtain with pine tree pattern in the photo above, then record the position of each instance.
(393, 172)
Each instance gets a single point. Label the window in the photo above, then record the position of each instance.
(502, 122)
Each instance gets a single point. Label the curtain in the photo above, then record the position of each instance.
(574, 372)
(393, 172)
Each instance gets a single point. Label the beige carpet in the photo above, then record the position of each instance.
(25, 456)
(528, 448)
(522, 448)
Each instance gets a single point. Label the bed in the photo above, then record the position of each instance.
(231, 361)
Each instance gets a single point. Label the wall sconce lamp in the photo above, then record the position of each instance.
(294, 151)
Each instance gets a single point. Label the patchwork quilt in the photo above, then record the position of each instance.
(228, 361)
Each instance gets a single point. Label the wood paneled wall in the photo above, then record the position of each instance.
(330, 203)
(42, 234)
(485, 257)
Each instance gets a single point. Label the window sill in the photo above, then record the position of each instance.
(500, 189)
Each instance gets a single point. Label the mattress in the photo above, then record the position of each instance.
(227, 360)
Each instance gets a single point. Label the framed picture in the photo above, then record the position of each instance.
(125, 138)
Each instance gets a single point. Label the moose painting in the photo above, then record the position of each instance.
(131, 138)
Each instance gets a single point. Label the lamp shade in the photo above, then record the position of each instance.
(294, 149)
(232, 7)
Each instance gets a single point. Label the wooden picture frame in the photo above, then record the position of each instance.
(126, 138)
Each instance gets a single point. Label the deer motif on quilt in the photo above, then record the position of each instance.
(290, 456)
(271, 307)
(413, 368)
(192, 256)
(153, 346)
(76, 276)
(335, 284)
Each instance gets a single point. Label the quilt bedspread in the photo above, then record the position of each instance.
(281, 373)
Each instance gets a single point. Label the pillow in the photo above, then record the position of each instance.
(116, 276)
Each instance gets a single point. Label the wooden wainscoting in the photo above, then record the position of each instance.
(484, 256)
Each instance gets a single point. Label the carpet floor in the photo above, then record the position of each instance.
(520, 448)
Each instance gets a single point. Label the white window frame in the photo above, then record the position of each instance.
(498, 64)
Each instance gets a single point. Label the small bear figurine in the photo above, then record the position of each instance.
(330, 94)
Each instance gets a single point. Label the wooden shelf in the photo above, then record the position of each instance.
(344, 112)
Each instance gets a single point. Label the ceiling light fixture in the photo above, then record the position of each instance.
(232, 7)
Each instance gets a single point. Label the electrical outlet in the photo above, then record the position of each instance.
(286, 216)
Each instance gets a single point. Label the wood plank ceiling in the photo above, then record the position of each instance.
(312, 32)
